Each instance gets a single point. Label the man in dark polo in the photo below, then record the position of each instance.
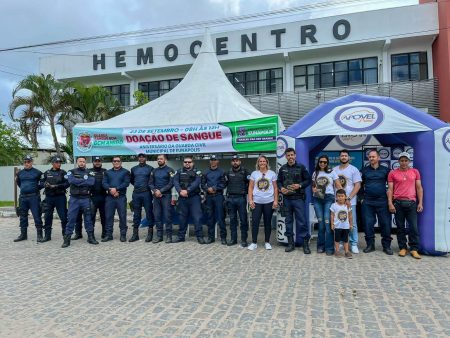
(375, 203)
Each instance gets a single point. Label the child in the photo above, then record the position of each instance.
(341, 222)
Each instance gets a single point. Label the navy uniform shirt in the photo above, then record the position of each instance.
(97, 188)
(57, 179)
(161, 179)
(140, 177)
(187, 180)
(294, 174)
(81, 180)
(119, 179)
(374, 183)
(213, 178)
(28, 180)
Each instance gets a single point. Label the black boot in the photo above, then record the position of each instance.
(169, 239)
(201, 240)
(48, 235)
(369, 248)
(306, 249)
(149, 237)
(107, 238)
(66, 241)
(135, 236)
(63, 230)
(39, 233)
(223, 241)
(210, 240)
(91, 238)
(103, 232)
(158, 239)
(123, 237)
(77, 235)
(23, 235)
(291, 245)
(232, 242)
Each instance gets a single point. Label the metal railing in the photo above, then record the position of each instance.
(291, 106)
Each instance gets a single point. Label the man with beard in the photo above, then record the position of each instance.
(161, 183)
(55, 184)
(142, 197)
(81, 181)
(187, 183)
(375, 204)
(350, 179)
(293, 178)
(237, 187)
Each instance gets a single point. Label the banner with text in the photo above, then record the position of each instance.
(257, 135)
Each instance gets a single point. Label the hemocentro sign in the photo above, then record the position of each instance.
(257, 135)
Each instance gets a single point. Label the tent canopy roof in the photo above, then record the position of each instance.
(358, 114)
(204, 96)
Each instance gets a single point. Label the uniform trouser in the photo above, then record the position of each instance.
(32, 203)
(235, 205)
(296, 207)
(60, 204)
(266, 211)
(142, 200)
(162, 210)
(406, 210)
(111, 205)
(215, 214)
(325, 238)
(381, 212)
(190, 206)
(98, 204)
(77, 205)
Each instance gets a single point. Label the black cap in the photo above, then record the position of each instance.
(235, 157)
(56, 159)
(27, 158)
(142, 155)
(96, 158)
(213, 158)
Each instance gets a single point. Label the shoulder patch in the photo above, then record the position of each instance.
(91, 173)
(171, 173)
(199, 173)
(69, 173)
(85, 177)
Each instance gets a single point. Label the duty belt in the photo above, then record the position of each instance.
(29, 195)
(236, 195)
(141, 190)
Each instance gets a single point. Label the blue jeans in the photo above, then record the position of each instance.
(354, 233)
(235, 205)
(296, 207)
(162, 210)
(406, 210)
(325, 238)
(381, 211)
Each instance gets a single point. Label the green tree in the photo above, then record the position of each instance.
(140, 98)
(11, 149)
(45, 103)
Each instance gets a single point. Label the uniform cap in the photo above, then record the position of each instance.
(141, 155)
(235, 157)
(97, 158)
(405, 154)
(213, 158)
(56, 159)
(27, 158)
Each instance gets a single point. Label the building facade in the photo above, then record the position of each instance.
(291, 67)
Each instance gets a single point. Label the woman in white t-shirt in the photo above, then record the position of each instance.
(263, 198)
(324, 180)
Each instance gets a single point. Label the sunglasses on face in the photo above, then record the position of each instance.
(116, 161)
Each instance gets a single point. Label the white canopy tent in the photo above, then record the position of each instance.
(201, 101)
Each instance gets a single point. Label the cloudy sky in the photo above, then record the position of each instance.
(24, 22)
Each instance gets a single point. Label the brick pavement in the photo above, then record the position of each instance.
(168, 290)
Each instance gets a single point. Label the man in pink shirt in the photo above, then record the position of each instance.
(405, 199)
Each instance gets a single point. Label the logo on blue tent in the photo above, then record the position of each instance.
(84, 141)
(446, 140)
(359, 118)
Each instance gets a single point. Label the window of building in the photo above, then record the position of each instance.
(155, 89)
(121, 93)
(336, 74)
(409, 66)
(257, 81)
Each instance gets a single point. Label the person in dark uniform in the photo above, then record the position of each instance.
(161, 183)
(187, 183)
(115, 182)
(237, 186)
(213, 184)
(28, 180)
(98, 195)
(55, 183)
(142, 197)
(293, 178)
(81, 180)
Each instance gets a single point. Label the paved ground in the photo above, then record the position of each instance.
(168, 290)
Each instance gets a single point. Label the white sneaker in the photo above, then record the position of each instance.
(355, 249)
(268, 246)
(252, 247)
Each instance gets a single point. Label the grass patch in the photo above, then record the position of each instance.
(6, 203)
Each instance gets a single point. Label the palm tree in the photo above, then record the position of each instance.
(44, 106)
